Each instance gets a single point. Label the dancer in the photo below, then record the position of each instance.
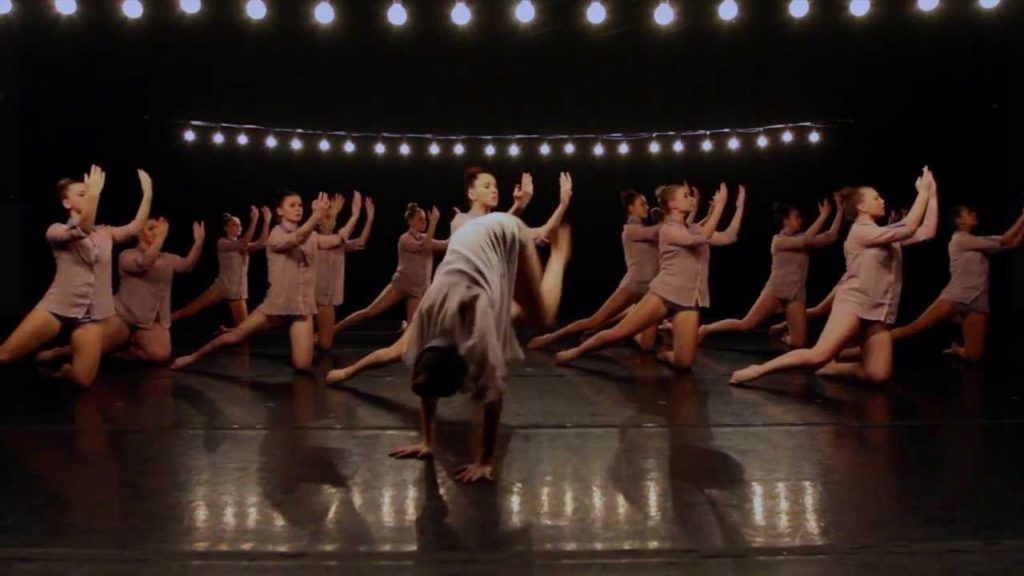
(143, 303)
(461, 338)
(966, 295)
(81, 294)
(232, 284)
(868, 295)
(330, 271)
(786, 289)
(483, 194)
(640, 246)
(416, 249)
(681, 286)
(291, 269)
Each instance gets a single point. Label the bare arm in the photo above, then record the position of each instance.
(364, 237)
(916, 214)
(124, 233)
(94, 182)
(157, 246)
(522, 195)
(717, 207)
(357, 211)
(1013, 236)
(250, 231)
(264, 233)
(833, 232)
(320, 207)
(732, 233)
(565, 192)
(198, 235)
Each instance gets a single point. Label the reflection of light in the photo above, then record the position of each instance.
(278, 520)
(568, 502)
(387, 507)
(252, 512)
(229, 513)
(783, 522)
(200, 514)
(758, 503)
(653, 508)
(811, 509)
(597, 500)
(410, 503)
(357, 498)
(545, 502)
(621, 506)
(515, 502)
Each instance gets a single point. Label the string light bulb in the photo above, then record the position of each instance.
(988, 4)
(927, 5)
(256, 10)
(397, 15)
(860, 8)
(664, 14)
(65, 7)
(379, 149)
(242, 139)
(787, 137)
(404, 149)
(569, 148)
(623, 148)
(654, 147)
(707, 145)
(525, 11)
(6, 6)
(218, 138)
(271, 142)
(599, 149)
(814, 137)
(799, 8)
(132, 9)
(459, 149)
(678, 146)
(434, 149)
(349, 146)
(461, 14)
(733, 143)
(513, 150)
(325, 145)
(545, 149)
(189, 135)
(490, 150)
(296, 144)
(596, 12)
(324, 12)
(762, 141)
(191, 6)
(728, 10)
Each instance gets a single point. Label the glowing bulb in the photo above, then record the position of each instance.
(490, 150)
(513, 150)
(404, 149)
(190, 136)
(799, 8)
(191, 6)
(596, 12)
(678, 146)
(5, 7)
(599, 149)
(988, 4)
(545, 149)
(569, 148)
(461, 14)
(325, 145)
(787, 137)
(242, 139)
(349, 147)
(623, 148)
(728, 10)
(525, 12)
(927, 5)
(379, 149)
(271, 142)
(707, 145)
(814, 137)
(762, 141)
(459, 149)
(664, 14)
(256, 9)
(860, 7)
(324, 12)
(296, 144)
(397, 15)
(132, 9)
(434, 149)
(654, 147)
(218, 138)
(66, 7)
(734, 143)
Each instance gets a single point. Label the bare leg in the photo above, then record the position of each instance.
(616, 303)
(940, 310)
(840, 327)
(301, 332)
(381, 357)
(385, 300)
(822, 309)
(239, 310)
(256, 322)
(38, 328)
(86, 350)
(648, 312)
(538, 292)
(685, 335)
(762, 309)
(152, 345)
(975, 329)
(325, 327)
(796, 320)
(114, 332)
(876, 358)
(647, 339)
(212, 295)
(411, 304)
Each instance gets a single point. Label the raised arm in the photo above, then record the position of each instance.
(264, 233)
(250, 231)
(156, 246)
(732, 233)
(357, 211)
(132, 229)
(696, 207)
(565, 196)
(522, 195)
(1015, 234)
(833, 232)
(717, 207)
(94, 181)
(811, 237)
(190, 261)
(641, 233)
(320, 207)
(930, 221)
(364, 237)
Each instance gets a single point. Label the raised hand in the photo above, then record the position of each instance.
(721, 196)
(474, 473)
(838, 200)
(199, 231)
(418, 451)
(322, 205)
(824, 207)
(95, 178)
(267, 214)
(163, 227)
(741, 199)
(435, 214)
(357, 201)
(369, 207)
(337, 203)
(565, 187)
(146, 181)
(254, 213)
(924, 182)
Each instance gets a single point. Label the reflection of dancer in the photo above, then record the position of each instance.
(232, 284)
(868, 295)
(416, 250)
(143, 303)
(461, 337)
(640, 245)
(967, 292)
(81, 294)
(291, 272)
(330, 270)
(786, 288)
(681, 286)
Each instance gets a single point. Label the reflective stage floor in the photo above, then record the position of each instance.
(616, 465)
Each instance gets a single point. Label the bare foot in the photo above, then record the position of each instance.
(565, 356)
(404, 327)
(747, 374)
(182, 362)
(339, 375)
(953, 350)
(665, 326)
(540, 342)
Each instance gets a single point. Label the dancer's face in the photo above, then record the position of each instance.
(418, 222)
(233, 228)
(74, 197)
(484, 191)
(290, 209)
(639, 208)
(967, 219)
(871, 203)
(683, 200)
(794, 222)
(148, 233)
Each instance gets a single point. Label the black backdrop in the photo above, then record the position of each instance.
(942, 89)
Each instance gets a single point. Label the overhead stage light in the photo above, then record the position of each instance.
(397, 15)
(596, 12)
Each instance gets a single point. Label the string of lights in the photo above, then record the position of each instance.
(324, 12)
(198, 132)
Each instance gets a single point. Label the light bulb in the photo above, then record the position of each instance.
(814, 137)
(256, 9)
(707, 145)
(513, 150)
(654, 147)
(545, 149)
(678, 146)
(434, 149)
(324, 13)
(569, 148)
(404, 149)
(379, 149)
(296, 144)
(190, 136)
(734, 143)
(728, 10)
(459, 149)
(664, 14)
(5, 7)
(490, 150)
(762, 141)
(191, 6)
(860, 7)
(397, 15)
(927, 5)
(271, 142)
(787, 137)
(799, 8)
(599, 149)
(349, 147)
(525, 12)
(623, 148)
(132, 9)
(218, 138)
(461, 14)
(242, 139)
(325, 145)
(66, 7)
(596, 12)
(988, 4)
